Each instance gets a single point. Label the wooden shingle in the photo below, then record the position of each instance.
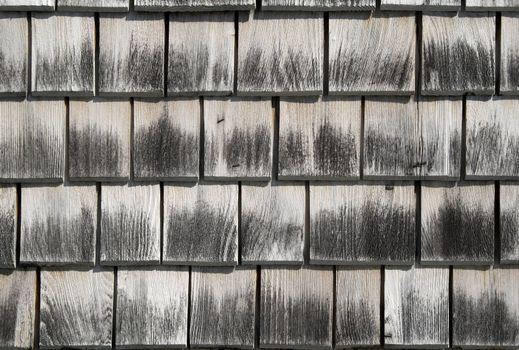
(58, 225)
(94, 5)
(76, 308)
(458, 53)
(457, 223)
(485, 308)
(492, 5)
(509, 77)
(13, 53)
(318, 5)
(201, 224)
(223, 307)
(194, 5)
(319, 138)
(416, 305)
(296, 307)
(8, 223)
(360, 65)
(509, 222)
(99, 139)
(272, 223)
(280, 53)
(421, 5)
(131, 54)
(358, 307)
(17, 308)
(62, 54)
(362, 224)
(166, 139)
(152, 307)
(32, 140)
(27, 5)
(238, 138)
(130, 224)
(201, 53)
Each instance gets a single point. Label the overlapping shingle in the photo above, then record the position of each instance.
(13, 53)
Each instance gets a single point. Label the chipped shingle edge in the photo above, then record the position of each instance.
(431, 8)
(93, 8)
(166, 8)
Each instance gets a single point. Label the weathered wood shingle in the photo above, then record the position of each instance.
(509, 77)
(8, 226)
(492, 5)
(94, 5)
(27, 5)
(318, 5)
(509, 222)
(194, 5)
(13, 53)
(421, 5)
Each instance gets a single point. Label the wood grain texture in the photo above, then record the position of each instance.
(360, 65)
(58, 225)
(391, 138)
(130, 224)
(152, 307)
(131, 54)
(280, 53)
(201, 53)
(318, 5)
(509, 67)
(27, 5)
(492, 5)
(457, 223)
(76, 308)
(272, 223)
(358, 307)
(166, 139)
(238, 138)
(62, 54)
(509, 222)
(201, 224)
(32, 140)
(17, 308)
(421, 5)
(94, 5)
(492, 138)
(319, 138)
(99, 139)
(223, 306)
(194, 5)
(296, 307)
(8, 223)
(362, 224)
(485, 307)
(458, 53)
(13, 53)
(416, 305)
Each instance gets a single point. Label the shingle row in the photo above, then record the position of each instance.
(275, 53)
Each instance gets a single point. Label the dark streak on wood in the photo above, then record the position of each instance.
(8, 223)
(13, 53)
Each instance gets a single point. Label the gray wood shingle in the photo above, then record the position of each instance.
(8, 226)
(318, 5)
(509, 76)
(421, 5)
(13, 53)
(492, 5)
(94, 5)
(194, 5)
(27, 5)
(509, 222)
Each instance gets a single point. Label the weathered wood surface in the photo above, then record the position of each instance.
(58, 225)
(492, 138)
(76, 308)
(272, 223)
(32, 140)
(194, 5)
(131, 54)
(201, 53)
(280, 53)
(94, 5)
(13, 53)
(152, 307)
(485, 307)
(223, 306)
(419, 5)
(319, 138)
(458, 53)
(8, 223)
(17, 308)
(62, 54)
(509, 75)
(130, 224)
(201, 224)
(509, 222)
(362, 223)
(27, 5)
(166, 139)
(457, 222)
(99, 139)
(358, 307)
(492, 5)
(416, 305)
(296, 307)
(360, 65)
(318, 5)
(238, 138)
(391, 138)
(440, 137)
